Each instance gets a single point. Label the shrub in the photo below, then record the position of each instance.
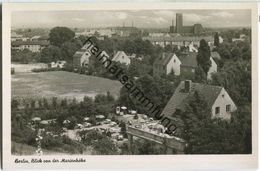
(45, 69)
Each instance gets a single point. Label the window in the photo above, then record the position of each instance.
(228, 108)
(217, 110)
(174, 60)
(223, 95)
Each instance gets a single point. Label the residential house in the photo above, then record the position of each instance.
(82, 56)
(165, 64)
(216, 97)
(189, 64)
(121, 57)
(34, 46)
(184, 64)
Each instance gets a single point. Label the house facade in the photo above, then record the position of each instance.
(34, 46)
(184, 64)
(216, 97)
(121, 57)
(165, 64)
(82, 56)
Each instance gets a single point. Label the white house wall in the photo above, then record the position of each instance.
(174, 64)
(222, 101)
(212, 69)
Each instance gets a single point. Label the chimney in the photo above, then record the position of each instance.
(187, 85)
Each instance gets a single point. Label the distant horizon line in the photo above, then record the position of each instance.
(105, 27)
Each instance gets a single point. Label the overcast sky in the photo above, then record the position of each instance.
(142, 18)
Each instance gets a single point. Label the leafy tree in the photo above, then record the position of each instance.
(67, 50)
(60, 35)
(237, 85)
(50, 54)
(203, 57)
(24, 56)
(101, 143)
(200, 76)
(14, 104)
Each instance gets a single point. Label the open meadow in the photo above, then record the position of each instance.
(60, 84)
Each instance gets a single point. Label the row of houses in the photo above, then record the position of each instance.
(178, 40)
(34, 46)
(184, 64)
(81, 58)
(35, 43)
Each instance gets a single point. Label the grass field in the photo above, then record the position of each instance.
(61, 84)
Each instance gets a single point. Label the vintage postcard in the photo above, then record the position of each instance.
(130, 85)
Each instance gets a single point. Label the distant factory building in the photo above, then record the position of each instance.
(195, 29)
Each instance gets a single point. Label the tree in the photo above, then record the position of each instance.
(67, 51)
(24, 56)
(203, 57)
(50, 54)
(216, 39)
(200, 76)
(14, 104)
(60, 35)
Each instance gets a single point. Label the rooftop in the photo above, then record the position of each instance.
(189, 59)
(164, 59)
(180, 97)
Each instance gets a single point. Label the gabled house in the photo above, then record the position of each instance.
(81, 57)
(165, 64)
(121, 57)
(189, 64)
(216, 97)
(184, 64)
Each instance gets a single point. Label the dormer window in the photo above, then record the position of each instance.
(223, 95)
(174, 60)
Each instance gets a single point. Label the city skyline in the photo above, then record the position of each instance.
(140, 18)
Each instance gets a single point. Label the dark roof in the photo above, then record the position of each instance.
(35, 42)
(208, 92)
(188, 59)
(163, 59)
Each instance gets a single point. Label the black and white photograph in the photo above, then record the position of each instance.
(117, 82)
